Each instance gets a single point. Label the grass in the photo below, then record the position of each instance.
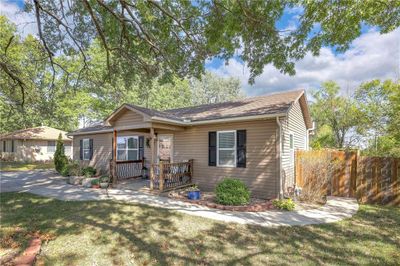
(119, 233)
(21, 166)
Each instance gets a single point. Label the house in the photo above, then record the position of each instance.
(33, 144)
(253, 139)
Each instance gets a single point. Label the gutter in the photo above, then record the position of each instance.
(308, 135)
(280, 188)
(211, 121)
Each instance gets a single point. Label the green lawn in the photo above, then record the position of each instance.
(20, 166)
(118, 233)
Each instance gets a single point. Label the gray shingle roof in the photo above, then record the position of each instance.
(270, 104)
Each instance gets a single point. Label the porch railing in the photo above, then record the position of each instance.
(165, 176)
(126, 169)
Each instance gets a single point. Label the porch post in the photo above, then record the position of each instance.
(152, 158)
(114, 151)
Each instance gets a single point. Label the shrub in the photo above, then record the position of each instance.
(60, 160)
(65, 171)
(74, 169)
(104, 179)
(284, 204)
(317, 173)
(88, 171)
(95, 182)
(232, 191)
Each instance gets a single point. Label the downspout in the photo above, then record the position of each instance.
(280, 158)
(308, 135)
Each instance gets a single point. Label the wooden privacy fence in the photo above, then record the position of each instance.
(370, 179)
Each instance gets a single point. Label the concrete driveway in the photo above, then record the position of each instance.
(50, 184)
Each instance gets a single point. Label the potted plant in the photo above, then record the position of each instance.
(95, 183)
(104, 181)
(193, 193)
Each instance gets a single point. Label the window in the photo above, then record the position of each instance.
(86, 149)
(226, 148)
(51, 146)
(127, 148)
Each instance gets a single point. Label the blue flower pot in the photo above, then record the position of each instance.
(194, 195)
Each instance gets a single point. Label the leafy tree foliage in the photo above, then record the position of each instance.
(369, 119)
(88, 95)
(379, 103)
(335, 113)
(213, 89)
(147, 38)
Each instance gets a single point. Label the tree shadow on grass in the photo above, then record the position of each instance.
(124, 233)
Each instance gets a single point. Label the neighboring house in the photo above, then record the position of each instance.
(33, 144)
(253, 139)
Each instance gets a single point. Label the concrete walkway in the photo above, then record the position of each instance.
(49, 184)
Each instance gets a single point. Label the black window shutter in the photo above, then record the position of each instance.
(241, 148)
(12, 146)
(91, 148)
(112, 148)
(81, 149)
(141, 147)
(212, 148)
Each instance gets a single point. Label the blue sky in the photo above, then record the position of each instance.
(371, 56)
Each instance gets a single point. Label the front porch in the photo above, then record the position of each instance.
(162, 176)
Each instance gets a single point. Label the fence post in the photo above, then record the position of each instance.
(161, 181)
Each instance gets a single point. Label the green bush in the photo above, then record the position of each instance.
(284, 204)
(232, 191)
(60, 160)
(105, 179)
(95, 182)
(65, 171)
(88, 171)
(74, 169)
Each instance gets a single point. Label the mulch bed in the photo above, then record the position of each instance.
(208, 200)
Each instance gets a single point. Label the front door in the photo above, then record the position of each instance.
(165, 148)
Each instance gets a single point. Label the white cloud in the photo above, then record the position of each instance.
(371, 56)
(25, 22)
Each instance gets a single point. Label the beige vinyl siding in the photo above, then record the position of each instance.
(294, 123)
(128, 118)
(260, 173)
(102, 149)
(29, 150)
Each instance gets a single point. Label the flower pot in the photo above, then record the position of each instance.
(104, 185)
(194, 195)
(95, 186)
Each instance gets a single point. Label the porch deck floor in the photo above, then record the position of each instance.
(137, 184)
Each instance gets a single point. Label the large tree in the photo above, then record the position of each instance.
(336, 117)
(174, 38)
(212, 88)
(379, 103)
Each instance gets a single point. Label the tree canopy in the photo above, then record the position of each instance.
(368, 119)
(91, 97)
(146, 39)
